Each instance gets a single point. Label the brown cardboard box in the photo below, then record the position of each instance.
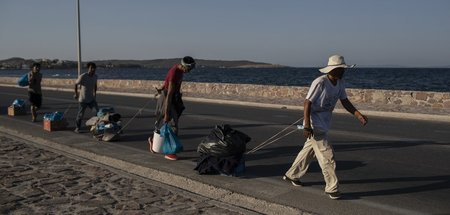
(55, 125)
(16, 111)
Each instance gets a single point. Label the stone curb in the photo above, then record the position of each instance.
(184, 183)
(416, 116)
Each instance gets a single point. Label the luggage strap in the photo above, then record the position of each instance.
(272, 139)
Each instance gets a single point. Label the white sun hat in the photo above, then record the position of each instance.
(335, 61)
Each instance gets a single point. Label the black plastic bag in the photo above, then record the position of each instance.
(231, 166)
(224, 141)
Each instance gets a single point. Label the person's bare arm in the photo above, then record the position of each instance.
(76, 92)
(168, 102)
(95, 90)
(30, 78)
(307, 130)
(351, 109)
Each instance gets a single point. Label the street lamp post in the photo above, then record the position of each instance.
(79, 38)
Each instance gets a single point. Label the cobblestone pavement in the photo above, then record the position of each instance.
(34, 180)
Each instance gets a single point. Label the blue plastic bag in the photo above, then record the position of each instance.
(100, 127)
(171, 143)
(18, 103)
(104, 110)
(55, 116)
(23, 80)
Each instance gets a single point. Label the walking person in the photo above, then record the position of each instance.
(88, 92)
(34, 89)
(170, 104)
(319, 104)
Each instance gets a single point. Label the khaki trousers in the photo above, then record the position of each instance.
(317, 146)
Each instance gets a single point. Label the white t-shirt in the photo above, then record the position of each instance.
(324, 96)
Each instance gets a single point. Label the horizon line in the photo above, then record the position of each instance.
(281, 65)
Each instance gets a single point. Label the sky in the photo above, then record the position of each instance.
(412, 33)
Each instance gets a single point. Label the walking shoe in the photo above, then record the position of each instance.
(294, 182)
(334, 195)
(172, 157)
(77, 130)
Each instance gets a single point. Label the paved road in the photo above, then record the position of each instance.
(391, 165)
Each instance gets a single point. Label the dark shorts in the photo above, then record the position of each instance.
(175, 110)
(35, 99)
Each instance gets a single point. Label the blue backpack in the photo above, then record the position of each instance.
(23, 80)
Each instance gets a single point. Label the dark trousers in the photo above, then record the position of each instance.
(82, 108)
(35, 99)
(174, 112)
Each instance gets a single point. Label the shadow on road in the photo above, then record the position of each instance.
(260, 171)
(430, 183)
(371, 145)
(3, 110)
(234, 126)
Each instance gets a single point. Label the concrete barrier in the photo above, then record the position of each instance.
(371, 99)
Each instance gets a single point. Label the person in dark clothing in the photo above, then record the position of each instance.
(34, 89)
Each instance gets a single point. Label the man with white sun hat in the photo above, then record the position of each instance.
(319, 104)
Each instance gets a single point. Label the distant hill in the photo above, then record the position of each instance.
(18, 63)
(15, 63)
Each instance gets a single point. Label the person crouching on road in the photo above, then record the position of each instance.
(88, 92)
(170, 104)
(34, 89)
(320, 101)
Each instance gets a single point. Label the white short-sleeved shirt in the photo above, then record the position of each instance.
(324, 96)
(87, 84)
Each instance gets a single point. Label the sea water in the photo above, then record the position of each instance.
(416, 79)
